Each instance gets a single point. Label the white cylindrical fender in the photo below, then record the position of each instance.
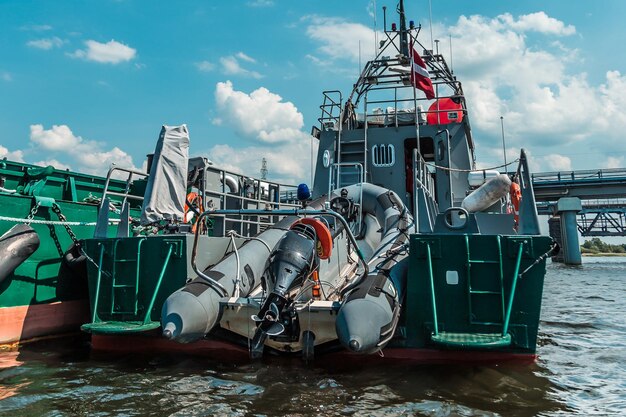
(487, 194)
(478, 178)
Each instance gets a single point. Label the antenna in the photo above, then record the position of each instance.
(264, 169)
(430, 23)
(451, 70)
(503, 145)
(404, 43)
(375, 32)
(385, 18)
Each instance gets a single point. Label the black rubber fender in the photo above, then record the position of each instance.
(16, 245)
(73, 257)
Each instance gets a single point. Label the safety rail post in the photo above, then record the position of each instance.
(505, 327)
(432, 289)
(94, 313)
(137, 272)
(158, 284)
(416, 221)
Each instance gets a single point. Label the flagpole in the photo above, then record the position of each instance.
(416, 163)
(417, 123)
(503, 144)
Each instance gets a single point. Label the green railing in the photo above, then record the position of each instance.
(477, 340)
(97, 325)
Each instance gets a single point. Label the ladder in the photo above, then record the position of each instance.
(119, 274)
(140, 324)
(478, 340)
(484, 293)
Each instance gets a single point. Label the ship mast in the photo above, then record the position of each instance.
(404, 43)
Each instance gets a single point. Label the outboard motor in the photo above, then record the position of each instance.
(291, 262)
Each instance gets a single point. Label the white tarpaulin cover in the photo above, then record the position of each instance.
(167, 185)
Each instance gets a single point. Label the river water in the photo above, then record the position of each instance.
(581, 371)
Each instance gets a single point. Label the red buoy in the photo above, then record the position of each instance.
(444, 111)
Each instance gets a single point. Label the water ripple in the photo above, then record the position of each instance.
(580, 371)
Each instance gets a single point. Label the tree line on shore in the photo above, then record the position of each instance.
(595, 245)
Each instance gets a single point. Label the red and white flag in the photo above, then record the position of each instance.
(420, 78)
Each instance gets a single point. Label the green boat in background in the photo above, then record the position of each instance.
(43, 213)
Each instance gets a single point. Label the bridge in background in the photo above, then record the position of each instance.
(592, 202)
(602, 194)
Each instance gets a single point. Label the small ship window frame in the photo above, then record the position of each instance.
(383, 155)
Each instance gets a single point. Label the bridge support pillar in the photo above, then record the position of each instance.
(566, 209)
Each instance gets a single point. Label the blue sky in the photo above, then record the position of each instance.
(86, 83)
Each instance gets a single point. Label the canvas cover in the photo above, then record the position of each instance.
(166, 189)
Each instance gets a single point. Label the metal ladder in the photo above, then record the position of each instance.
(475, 340)
(98, 326)
(472, 292)
(116, 276)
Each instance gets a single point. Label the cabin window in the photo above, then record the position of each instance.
(383, 155)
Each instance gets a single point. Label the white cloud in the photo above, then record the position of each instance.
(614, 162)
(46, 43)
(260, 3)
(112, 52)
(245, 57)
(538, 22)
(556, 162)
(273, 126)
(59, 138)
(205, 66)
(54, 163)
(36, 28)
(17, 156)
(340, 39)
(68, 151)
(290, 164)
(231, 66)
(260, 115)
(536, 84)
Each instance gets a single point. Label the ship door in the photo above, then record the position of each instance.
(427, 148)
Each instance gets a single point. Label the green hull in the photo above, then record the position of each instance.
(43, 279)
(471, 285)
(136, 276)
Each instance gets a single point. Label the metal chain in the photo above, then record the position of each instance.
(93, 262)
(55, 239)
(70, 232)
(32, 213)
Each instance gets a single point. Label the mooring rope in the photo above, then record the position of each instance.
(51, 222)
(468, 170)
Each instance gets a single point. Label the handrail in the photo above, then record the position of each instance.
(126, 193)
(94, 313)
(432, 289)
(219, 288)
(505, 327)
(580, 175)
(158, 285)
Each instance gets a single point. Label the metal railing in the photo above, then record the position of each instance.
(219, 288)
(580, 176)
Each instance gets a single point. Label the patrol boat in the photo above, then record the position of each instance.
(402, 247)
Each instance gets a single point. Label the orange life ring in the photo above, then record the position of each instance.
(516, 198)
(195, 199)
(324, 238)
